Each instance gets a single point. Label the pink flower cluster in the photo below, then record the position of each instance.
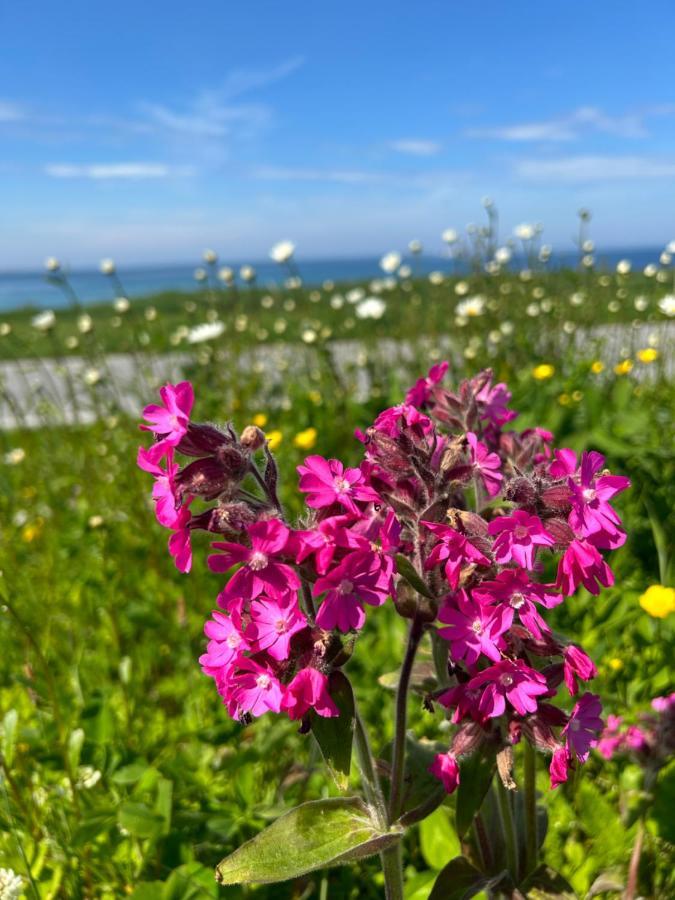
(478, 510)
(650, 740)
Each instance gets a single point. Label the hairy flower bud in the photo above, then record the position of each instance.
(252, 438)
(204, 440)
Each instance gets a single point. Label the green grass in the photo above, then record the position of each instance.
(122, 774)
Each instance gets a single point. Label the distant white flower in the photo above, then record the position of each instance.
(569, 327)
(226, 274)
(450, 236)
(370, 308)
(52, 264)
(107, 267)
(532, 309)
(623, 267)
(577, 298)
(545, 252)
(388, 283)
(15, 456)
(337, 302)
(71, 342)
(309, 335)
(506, 327)
(436, 277)
(200, 274)
(670, 247)
(588, 261)
(525, 275)
(494, 336)
(667, 305)
(282, 252)
(650, 270)
(44, 321)
(210, 257)
(614, 306)
(502, 255)
(121, 305)
(85, 323)
(5, 329)
(525, 231)
(376, 286)
(205, 332)
(462, 288)
(415, 247)
(641, 303)
(88, 776)
(91, 376)
(94, 522)
(588, 246)
(666, 257)
(405, 272)
(150, 314)
(492, 267)
(247, 274)
(390, 262)
(472, 306)
(11, 885)
(354, 295)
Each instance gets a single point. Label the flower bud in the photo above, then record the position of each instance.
(204, 440)
(468, 738)
(252, 438)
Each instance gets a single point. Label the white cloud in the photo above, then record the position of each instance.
(416, 147)
(595, 168)
(584, 120)
(339, 176)
(108, 171)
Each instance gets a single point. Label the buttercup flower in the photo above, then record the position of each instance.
(658, 601)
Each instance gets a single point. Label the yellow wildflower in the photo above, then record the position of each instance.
(616, 664)
(564, 399)
(648, 355)
(305, 440)
(577, 396)
(31, 531)
(543, 371)
(315, 397)
(260, 420)
(624, 367)
(274, 438)
(658, 601)
(597, 367)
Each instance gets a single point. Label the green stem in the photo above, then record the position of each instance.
(506, 816)
(398, 753)
(531, 836)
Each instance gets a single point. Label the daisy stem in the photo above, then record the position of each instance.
(530, 798)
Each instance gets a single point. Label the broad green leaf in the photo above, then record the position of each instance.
(407, 571)
(459, 880)
(193, 881)
(438, 839)
(163, 803)
(439, 652)
(475, 777)
(664, 803)
(130, 774)
(419, 785)
(313, 836)
(335, 735)
(139, 820)
(547, 884)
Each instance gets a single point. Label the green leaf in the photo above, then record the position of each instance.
(475, 777)
(420, 786)
(130, 774)
(547, 884)
(438, 839)
(407, 571)
(10, 725)
(459, 880)
(163, 803)
(193, 881)
(312, 836)
(75, 742)
(335, 735)
(139, 820)
(664, 803)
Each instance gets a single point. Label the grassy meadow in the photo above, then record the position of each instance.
(121, 773)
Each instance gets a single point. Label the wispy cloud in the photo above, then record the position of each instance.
(110, 171)
(415, 147)
(595, 168)
(337, 176)
(582, 121)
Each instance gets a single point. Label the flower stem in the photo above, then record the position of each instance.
(506, 815)
(398, 753)
(530, 798)
(634, 867)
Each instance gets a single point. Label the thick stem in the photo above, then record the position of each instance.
(506, 816)
(530, 798)
(483, 843)
(398, 752)
(634, 867)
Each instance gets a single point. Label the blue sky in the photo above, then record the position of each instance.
(148, 131)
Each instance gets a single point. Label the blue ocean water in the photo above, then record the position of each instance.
(31, 289)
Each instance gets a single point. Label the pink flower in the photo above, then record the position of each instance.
(225, 646)
(326, 481)
(486, 464)
(581, 563)
(420, 393)
(454, 550)
(663, 704)
(254, 689)
(163, 490)
(309, 690)
(513, 587)
(577, 664)
(559, 769)
(179, 542)
(260, 571)
(354, 581)
(494, 402)
(512, 681)
(464, 700)
(610, 739)
(446, 769)
(636, 739)
(171, 420)
(273, 624)
(584, 726)
(474, 628)
(404, 418)
(518, 536)
(325, 540)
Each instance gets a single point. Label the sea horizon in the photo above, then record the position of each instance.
(25, 289)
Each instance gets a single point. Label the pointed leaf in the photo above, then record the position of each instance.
(335, 735)
(312, 836)
(407, 571)
(420, 787)
(475, 777)
(438, 839)
(547, 884)
(459, 880)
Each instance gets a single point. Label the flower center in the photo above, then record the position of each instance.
(520, 532)
(517, 600)
(280, 626)
(233, 640)
(263, 681)
(477, 626)
(506, 680)
(341, 484)
(257, 561)
(346, 586)
(588, 494)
